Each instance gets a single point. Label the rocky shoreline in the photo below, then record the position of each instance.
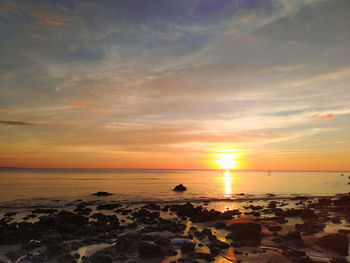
(299, 229)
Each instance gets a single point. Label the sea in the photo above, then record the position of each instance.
(49, 187)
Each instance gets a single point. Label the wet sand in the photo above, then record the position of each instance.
(273, 229)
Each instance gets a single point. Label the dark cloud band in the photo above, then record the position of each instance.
(16, 123)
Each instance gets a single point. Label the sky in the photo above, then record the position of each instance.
(182, 84)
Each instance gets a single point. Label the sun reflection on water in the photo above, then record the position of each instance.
(227, 181)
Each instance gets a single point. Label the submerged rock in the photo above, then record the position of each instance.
(180, 188)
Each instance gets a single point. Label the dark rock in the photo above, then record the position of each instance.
(342, 201)
(102, 194)
(180, 188)
(258, 207)
(253, 213)
(206, 256)
(83, 210)
(71, 218)
(293, 236)
(245, 234)
(108, 206)
(149, 250)
(335, 242)
(128, 243)
(339, 260)
(310, 227)
(230, 214)
(165, 243)
(57, 250)
(44, 211)
(51, 236)
(277, 240)
(187, 247)
(145, 216)
(151, 207)
(101, 258)
(274, 228)
(9, 214)
(196, 214)
(219, 244)
(215, 251)
(305, 213)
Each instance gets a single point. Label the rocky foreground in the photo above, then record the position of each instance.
(300, 229)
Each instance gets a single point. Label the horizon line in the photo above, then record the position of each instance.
(191, 169)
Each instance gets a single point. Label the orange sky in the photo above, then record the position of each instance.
(181, 85)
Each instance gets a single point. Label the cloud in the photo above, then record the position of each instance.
(323, 116)
(80, 104)
(48, 17)
(16, 123)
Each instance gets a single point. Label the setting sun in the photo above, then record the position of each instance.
(227, 160)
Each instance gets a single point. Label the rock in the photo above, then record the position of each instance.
(245, 234)
(146, 216)
(201, 255)
(9, 214)
(51, 236)
(230, 214)
(339, 260)
(180, 241)
(149, 250)
(336, 242)
(187, 248)
(151, 207)
(101, 258)
(58, 249)
(215, 251)
(258, 207)
(128, 243)
(71, 218)
(44, 211)
(305, 213)
(219, 244)
(274, 228)
(179, 188)
(343, 200)
(310, 227)
(108, 206)
(166, 245)
(293, 236)
(102, 194)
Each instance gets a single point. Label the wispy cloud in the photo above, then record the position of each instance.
(48, 17)
(323, 116)
(16, 123)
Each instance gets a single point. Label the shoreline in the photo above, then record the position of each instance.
(275, 229)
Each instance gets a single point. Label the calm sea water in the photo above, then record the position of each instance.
(29, 185)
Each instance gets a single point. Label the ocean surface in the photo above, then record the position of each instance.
(46, 186)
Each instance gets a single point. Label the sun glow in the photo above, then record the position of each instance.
(227, 160)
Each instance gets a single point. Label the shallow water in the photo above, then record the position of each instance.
(42, 185)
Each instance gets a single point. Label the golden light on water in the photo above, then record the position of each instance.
(227, 160)
(227, 181)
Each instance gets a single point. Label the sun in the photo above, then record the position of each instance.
(226, 160)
